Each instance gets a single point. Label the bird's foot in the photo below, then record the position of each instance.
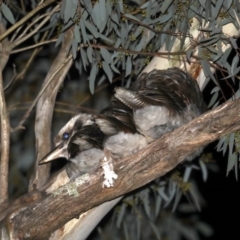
(108, 172)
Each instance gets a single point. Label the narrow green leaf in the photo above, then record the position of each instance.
(89, 53)
(177, 199)
(161, 191)
(68, 11)
(92, 78)
(125, 228)
(77, 33)
(165, 5)
(7, 13)
(204, 170)
(105, 54)
(59, 40)
(83, 30)
(108, 71)
(233, 42)
(101, 80)
(74, 48)
(207, 71)
(187, 173)
(231, 143)
(84, 58)
(103, 15)
(158, 203)
(155, 230)
(114, 68)
(195, 196)
(227, 4)
(92, 29)
(213, 99)
(128, 66)
(146, 205)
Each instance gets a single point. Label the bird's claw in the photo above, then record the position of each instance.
(108, 172)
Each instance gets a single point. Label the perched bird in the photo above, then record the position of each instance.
(81, 142)
(86, 139)
(162, 100)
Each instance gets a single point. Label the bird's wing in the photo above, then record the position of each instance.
(171, 88)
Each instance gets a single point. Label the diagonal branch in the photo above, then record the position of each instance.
(67, 202)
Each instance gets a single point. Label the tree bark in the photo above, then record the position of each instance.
(41, 214)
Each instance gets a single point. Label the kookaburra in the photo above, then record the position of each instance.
(158, 102)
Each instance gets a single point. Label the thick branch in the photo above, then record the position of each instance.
(45, 106)
(4, 144)
(52, 211)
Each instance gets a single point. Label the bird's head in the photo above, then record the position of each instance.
(63, 138)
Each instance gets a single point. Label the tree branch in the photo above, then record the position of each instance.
(45, 107)
(4, 144)
(50, 212)
(4, 120)
(26, 18)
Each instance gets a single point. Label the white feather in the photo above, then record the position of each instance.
(124, 144)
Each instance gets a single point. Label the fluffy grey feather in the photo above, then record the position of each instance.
(85, 162)
(116, 122)
(124, 144)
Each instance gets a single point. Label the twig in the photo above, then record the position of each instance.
(13, 78)
(37, 28)
(5, 140)
(25, 19)
(33, 46)
(31, 25)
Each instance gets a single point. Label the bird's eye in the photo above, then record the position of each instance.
(65, 135)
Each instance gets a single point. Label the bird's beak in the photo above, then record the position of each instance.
(59, 151)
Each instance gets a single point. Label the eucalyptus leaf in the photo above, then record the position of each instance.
(92, 78)
(232, 161)
(74, 48)
(89, 53)
(77, 34)
(187, 174)
(155, 230)
(128, 66)
(83, 30)
(7, 13)
(158, 203)
(84, 58)
(207, 71)
(108, 71)
(204, 170)
(177, 200)
(105, 55)
(165, 5)
(213, 99)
